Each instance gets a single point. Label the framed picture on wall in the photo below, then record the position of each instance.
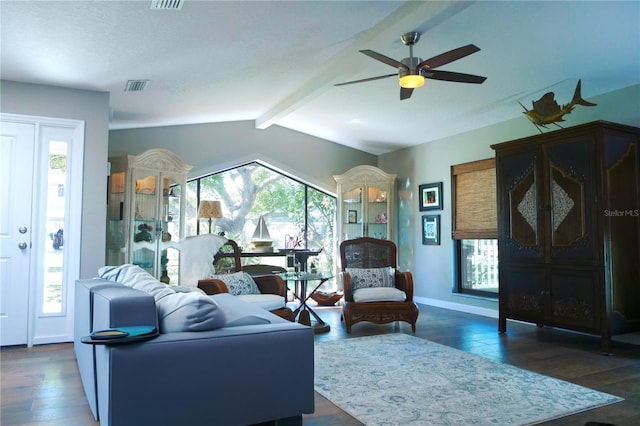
(352, 216)
(430, 195)
(431, 229)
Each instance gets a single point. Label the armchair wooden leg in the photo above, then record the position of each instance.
(347, 323)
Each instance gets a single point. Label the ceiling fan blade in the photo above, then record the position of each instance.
(450, 56)
(387, 60)
(405, 93)
(367, 79)
(455, 77)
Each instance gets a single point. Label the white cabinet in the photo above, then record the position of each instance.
(366, 200)
(145, 212)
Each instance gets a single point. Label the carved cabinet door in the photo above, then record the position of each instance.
(547, 241)
(569, 202)
(520, 193)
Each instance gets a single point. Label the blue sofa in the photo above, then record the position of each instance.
(232, 375)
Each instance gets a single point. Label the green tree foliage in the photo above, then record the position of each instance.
(252, 190)
(58, 162)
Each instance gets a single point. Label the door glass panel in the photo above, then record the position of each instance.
(145, 222)
(115, 216)
(170, 222)
(352, 214)
(55, 216)
(377, 213)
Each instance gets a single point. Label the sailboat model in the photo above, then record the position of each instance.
(261, 240)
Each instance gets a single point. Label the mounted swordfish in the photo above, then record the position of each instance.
(547, 111)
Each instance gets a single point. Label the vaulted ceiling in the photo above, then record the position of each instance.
(276, 62)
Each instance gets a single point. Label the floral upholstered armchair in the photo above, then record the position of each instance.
(374, 290)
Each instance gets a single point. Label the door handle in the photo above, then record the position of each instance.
(22, 245)
(22, 230)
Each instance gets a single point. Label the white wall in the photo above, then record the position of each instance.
(93, 109)
(213, 147)
(432, 266)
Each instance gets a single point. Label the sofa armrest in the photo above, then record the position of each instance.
(212, 286)
(270, 284)
(83, 326)
(404, 282)
(121, 306)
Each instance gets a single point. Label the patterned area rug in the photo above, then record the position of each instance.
(397, 379)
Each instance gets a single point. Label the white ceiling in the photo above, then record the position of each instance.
(276, 62)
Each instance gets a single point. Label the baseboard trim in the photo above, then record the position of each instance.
(485, 312)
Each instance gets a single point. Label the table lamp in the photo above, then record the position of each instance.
(209, 210)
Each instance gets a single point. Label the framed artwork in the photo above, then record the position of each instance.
(430, 196)
(431, 229)
(352, 216)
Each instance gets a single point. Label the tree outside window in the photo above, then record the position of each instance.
(297, 215)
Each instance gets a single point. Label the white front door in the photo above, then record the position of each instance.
(16, 189)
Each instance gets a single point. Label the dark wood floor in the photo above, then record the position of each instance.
(41, 385)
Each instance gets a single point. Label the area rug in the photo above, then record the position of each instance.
(397, 379)
(633, 338)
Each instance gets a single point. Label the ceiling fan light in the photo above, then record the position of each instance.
(411, 81)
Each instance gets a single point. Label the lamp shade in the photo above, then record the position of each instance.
(411, 81)
(209, 210)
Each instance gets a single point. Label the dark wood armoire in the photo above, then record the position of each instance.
(569, 229)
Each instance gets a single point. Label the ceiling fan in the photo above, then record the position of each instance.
(412, 71)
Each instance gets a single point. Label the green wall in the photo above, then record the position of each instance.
(432, 266)
(214, 147)
(93, 108)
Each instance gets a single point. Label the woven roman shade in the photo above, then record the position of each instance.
(474, 200)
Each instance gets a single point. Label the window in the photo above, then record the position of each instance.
(475, 227)
(297, 215)
(56, 206)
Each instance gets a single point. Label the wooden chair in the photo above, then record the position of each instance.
(227, 260)
(361, 254)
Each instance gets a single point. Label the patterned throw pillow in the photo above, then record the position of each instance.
(372, 277)
(238, 283)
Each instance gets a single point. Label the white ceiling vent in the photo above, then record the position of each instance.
(135, 85)
(166, 4)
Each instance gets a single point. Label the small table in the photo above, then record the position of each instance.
(302, 255)
(301, 280)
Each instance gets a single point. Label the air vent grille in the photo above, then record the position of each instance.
(135, 85)
(166, 4)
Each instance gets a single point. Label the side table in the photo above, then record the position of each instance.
(304, 312)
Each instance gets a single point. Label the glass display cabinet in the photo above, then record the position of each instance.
(366, 197)
(145, 221)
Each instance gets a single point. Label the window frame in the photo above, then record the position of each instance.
(306, 187)
(459, 236)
